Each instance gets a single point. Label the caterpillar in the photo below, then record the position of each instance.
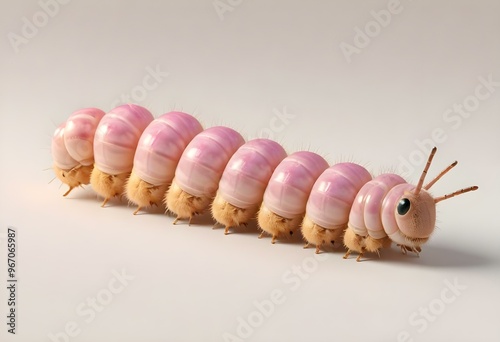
(173, 160)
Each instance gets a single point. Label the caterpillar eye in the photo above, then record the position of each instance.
(403, 206)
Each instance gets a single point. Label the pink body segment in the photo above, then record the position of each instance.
(203, 161)
(291, 183)
(365, 218)
(388, 211)
(161, 146)
(333, 194)
(117, 136)
(79, 134)
(60, 154)
(248, 172)
(72, 143)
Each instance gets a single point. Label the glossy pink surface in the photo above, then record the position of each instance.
(246, 175)
(389, 207)
(291, 183)
(117, 136)
(60, 155)
(161, 145)
(79, 134)
(333, 194)
(204, 159)
(366, 213)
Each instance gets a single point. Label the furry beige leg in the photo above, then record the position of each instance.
(183, 204)
(374, 245)
(74, 177)
(230, 215)
(360, 255)
(277, 225)
(142, 193)
(346, 255)
(352, 241)
(317, 235)
(106, 185)
(362, 244)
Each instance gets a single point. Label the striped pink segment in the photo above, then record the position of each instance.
(289, 187)
(204, 159)
(117, 137)
(365, 216)
(161, 145)
(79, 134)
(246, 175)
(60, 154)
(333, 194)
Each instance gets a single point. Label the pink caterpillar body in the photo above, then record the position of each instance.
(244, 181)
(199, 171)
(72, 147)
(387, 209)
(286, 194)
(158, 152)
(115, 143)
(173, 159)
(329, 203)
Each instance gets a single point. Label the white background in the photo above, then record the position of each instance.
(239, 68)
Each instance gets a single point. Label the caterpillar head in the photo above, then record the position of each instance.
(415, 210)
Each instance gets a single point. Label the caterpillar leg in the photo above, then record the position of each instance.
(178, 218)
(75, 177)
(183, 204)
(360, 255)
(104, 202)
(318, 248)
(107, 185)
(69, 190)
(317, 235)
(142, 193)
(276, 225)
(358, 259)
(230, 215)
(405, 249)
(363, 244)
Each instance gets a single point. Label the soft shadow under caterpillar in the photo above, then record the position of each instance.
(173, 160)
